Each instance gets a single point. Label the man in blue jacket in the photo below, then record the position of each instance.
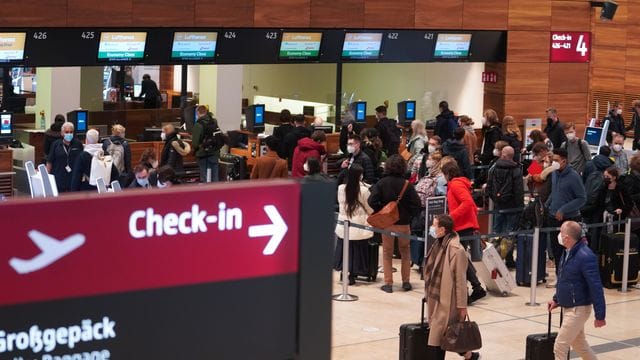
(566, 199)
(579, 287)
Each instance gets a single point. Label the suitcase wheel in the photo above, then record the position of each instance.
(505, 294)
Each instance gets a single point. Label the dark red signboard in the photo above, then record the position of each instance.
(83, 246)
(569, 46)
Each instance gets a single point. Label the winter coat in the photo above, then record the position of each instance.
(513, 172)
(458, 151)
(389, 134)
(290, 142)
(359, 216)
(470, 141)
(567, 194)
(388, 189)
(445, 124)
(173, 151)
(492, 135)
(555, 133)
(269, 166)
(462, 208)
(306, 148)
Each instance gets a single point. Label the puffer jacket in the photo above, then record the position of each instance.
(462, 208)
(579, 281)
(306, 148)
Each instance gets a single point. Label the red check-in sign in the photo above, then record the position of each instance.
(570, 46)
(88, 245)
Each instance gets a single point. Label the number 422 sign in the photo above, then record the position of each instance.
(570, 47)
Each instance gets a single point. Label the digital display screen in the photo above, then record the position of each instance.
(300, 45)
(259, 115)
(361, 46)
(81, 116)
(361, 111)
(122, 46)
(592, 135)
(12, 46)
(410, 110)
(194, 46)
(452, 46)
(5, 124)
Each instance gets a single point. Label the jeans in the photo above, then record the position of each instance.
(208, 164)
(387, 253)
(572, 334)
(505, 222)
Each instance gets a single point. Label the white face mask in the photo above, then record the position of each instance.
(617, 147)
(163, 136)
(161, 185)
(571, 136)
(485, 122)
(351, 149)
(432, 231)
(560, 240)
(619, 111)
(431, 149)
(496, 152)
(430, 163)
(154, 164)
(305, 167)
(555, 165)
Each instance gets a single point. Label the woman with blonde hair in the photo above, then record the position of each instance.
(512, 135)
(492, 130)
(470, 139)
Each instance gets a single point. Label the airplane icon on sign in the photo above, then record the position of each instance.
(52, 251)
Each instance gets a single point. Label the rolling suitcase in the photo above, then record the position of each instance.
(494, 273)
(372, 266)
(413, 339)
(236, 166)
(540, 346)
(612, 257)
(523, 260)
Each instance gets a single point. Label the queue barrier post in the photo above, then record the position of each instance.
(345, 296)
(534, 267)
(490, 219)
(625, 258)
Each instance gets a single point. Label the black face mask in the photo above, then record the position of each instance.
(607, 181)
(549, 121)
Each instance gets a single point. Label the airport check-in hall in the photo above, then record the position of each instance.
(186, 180)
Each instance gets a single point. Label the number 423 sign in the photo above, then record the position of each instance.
(570, 47)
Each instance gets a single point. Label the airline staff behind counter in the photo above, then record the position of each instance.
(62, 157)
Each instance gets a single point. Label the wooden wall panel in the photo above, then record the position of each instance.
(610, 34)
(526, 106)
(632, 81)
(224, 13)
(527, 78)
(164, 13)
(500, 69)
(571, 107)
(433, 14)
(568, 78)
(633, 58)
(389, 14)
(495, 102)
(529, 15)
(33, 13)
(610, 80)
(608, 57)
(633, 13)
(633, 34)
(337, 14)
(485, 14)
(570, 16)
(99, 13)
(528, 46)
(282, 13)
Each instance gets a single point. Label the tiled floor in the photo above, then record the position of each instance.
(367, 329)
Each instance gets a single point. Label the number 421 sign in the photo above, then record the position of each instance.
(570, 46)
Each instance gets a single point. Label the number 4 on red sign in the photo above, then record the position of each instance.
(582, 47)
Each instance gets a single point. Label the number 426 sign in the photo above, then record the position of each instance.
(570, 46)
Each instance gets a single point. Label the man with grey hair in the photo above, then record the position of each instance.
(578, 288)
(62, 157)
(92, 159)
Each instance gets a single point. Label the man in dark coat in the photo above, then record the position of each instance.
(152, 98)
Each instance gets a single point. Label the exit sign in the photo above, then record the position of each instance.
(568, 46)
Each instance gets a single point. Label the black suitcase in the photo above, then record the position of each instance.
(413, 339)
(523, 260)
(540, 346)
(611, 258)
(235, 167)
(374, 253)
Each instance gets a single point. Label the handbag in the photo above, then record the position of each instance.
(406, 154)
(389, 214)
(462, 337)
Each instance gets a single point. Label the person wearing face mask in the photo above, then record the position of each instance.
(270, 165)
(492, 134)
(142, 178)
(616, 122)
(81, 176)
(418, 140)
(567, 198)
(579, 289)
(554, 128)
(470, 139)
(445, 284)
(635, 124)
(62, 157)
(632, 179)
(594, 186)
(356, 156)
(434, 144)
(388, 129)
(314, 171)
(600, 162)
(432, 182)
(372, 146)
(538, 178)
(577, 149)
(619, 155)
(308, 147)
(148, 159)
(617, 199)
(173, 150)
(118, 147)
(165, 177)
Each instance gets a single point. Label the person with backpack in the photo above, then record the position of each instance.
(577, 149)
(286, 126)
(207, 140)
(118, 148)
(308, 147)
(446, 122)
(388, 130)
(291, 139)
(91, 165)
(455, 148)
(174, 149)
(62, 157)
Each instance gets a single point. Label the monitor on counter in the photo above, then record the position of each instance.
(122, 46)
(194, 46)
(6, 127)
(255, 118)
(406, 112)
(300, 46)
(362, 46)
(360, 111)
(79, 119)
(592, 135)
(12, 46)
(452, 46)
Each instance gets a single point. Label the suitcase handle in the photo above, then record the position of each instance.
(422, 323)
(549, 323)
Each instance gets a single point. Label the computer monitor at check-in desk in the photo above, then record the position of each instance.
(594, 137)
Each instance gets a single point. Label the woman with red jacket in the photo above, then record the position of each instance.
(464, 213)
(308, 148)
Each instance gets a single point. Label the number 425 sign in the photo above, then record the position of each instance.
(570, 46)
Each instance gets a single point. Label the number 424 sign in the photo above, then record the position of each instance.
(570, 47)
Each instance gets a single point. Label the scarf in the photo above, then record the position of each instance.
(434, 265)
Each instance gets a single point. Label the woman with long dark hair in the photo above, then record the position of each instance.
(352, 198)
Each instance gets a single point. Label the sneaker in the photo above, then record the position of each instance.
(352, 280)
(407, 286)
(476, 295)
(387, 288)
(510, 264)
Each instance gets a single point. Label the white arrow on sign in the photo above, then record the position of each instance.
(277, 229)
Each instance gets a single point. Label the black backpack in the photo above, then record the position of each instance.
(501, 190)
(213, 138)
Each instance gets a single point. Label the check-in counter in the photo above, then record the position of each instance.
(6, 172)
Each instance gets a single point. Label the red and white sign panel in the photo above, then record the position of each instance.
(568, 46)
(82, 246)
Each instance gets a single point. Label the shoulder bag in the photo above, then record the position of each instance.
(462, 337)
(389, 214)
